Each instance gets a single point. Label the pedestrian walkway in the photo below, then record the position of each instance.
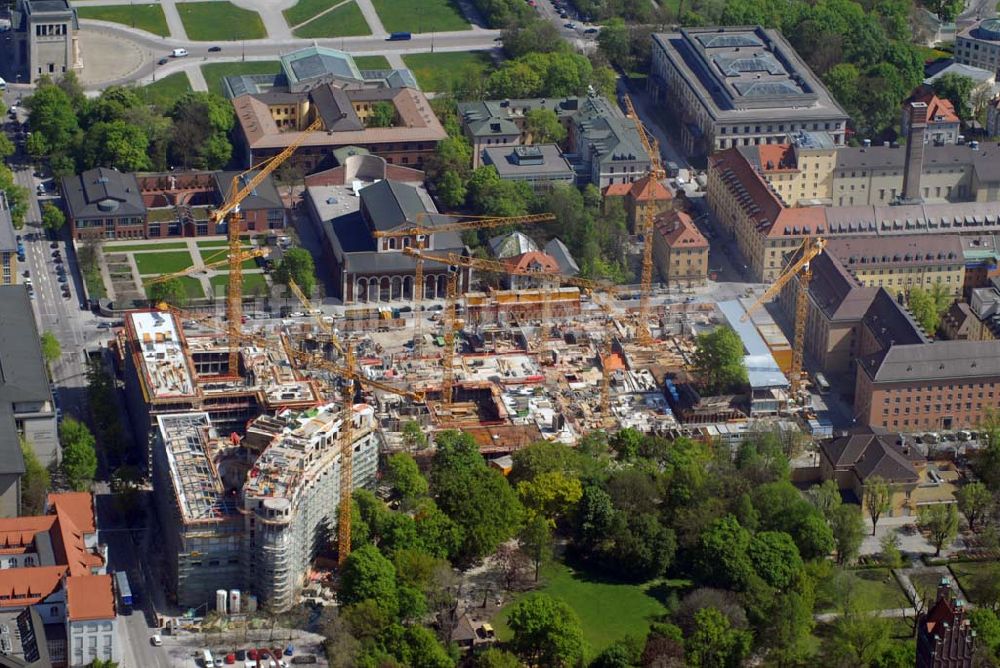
(371, 16)
(174, 23)
(196, 78)
(322, 13)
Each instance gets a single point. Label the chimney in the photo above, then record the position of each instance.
(914, 164)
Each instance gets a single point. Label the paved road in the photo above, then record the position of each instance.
(976, 10)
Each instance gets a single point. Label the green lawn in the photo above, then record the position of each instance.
(968, 573)
(929, 54)
(372, 63)
(164, 92)
(926, 584)
(608, 611)
(306, 9)
(222, 21)
(160, 246)
(214, 73)
(435, 71)
(877, 586)
(420, 15)
(192, 286)
(145, 17)
(344, 21)
(154, 264)
(217, 243)
(250, 283)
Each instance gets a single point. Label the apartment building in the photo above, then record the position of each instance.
(922, 387)
(943, 124)
(739, 86)
(54, 566)
(602, 145)
(979, 45)
(252, 514)
(680, 251)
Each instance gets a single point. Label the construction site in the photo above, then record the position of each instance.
(257, 431)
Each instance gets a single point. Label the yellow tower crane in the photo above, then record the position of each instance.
(415, 236)
(811, 247)
(455, 260)
(656, 172)
(242, 186)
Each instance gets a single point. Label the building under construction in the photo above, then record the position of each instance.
(253, 513)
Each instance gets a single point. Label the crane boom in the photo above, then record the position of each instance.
(327, 328)
(244, 256)
(810, 249)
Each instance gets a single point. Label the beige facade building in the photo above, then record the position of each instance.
(46, 42)
(902, 263)
(680, 251)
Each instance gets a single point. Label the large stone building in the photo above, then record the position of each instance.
(902, 263)
(854, 460)
(253, 514)
(680, 251)
(751, 199)
(539, 165)
(602, 145)
(926, 387)
(272, 111)
(43, 40)
(54, 567)
(8, 245)
(27, 409)
(979, 45)
(739, 86)
(365, 268)
(106, 203)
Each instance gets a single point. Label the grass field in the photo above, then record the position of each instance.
(372, 62)
(344, 21)
(968, 574)
(435, 71)
(161, 246)
(154, 264)
(214, 73)
(608, 611)
(304, 10)
(216, 243)
(926, 584)
(250, 283)
(145, 17)
(420, 15)
(877, 586)
(223, 21)
(192, 286)
(163, 92)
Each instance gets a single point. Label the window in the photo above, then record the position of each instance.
(12, 562)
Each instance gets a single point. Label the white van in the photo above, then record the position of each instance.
(3, 84)
(206, 659)
(179, 53)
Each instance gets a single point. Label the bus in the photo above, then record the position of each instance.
(124, 593)
(821, 383)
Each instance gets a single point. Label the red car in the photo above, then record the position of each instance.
(252, 654)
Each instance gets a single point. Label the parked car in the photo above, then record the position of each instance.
(156, 640)
(214, 49)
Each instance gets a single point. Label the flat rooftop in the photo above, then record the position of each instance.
(188, 439)
(745, 72)
(166, 369)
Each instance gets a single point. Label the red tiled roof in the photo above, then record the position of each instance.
(679, 230)
(79, 506)
(20, 587)
(533, 261)
(648, 188)
(777, 158)
(935, 106)
(617, 189)
(18, 533)
(90, 597)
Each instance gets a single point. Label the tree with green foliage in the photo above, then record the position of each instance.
(544, 127)
(536, 541)
(490, 195)
(477, 498)
(79, 458)
(413, 436)
(826, 498)
(53, 218)
(957, 89)
(367, 575)
(297, 265)
(946, 10)
(715, 643)
(552, 495)
(404, 475)
(544, 457)
(117, 144)
(546, 631)
(848, 532)
(775, 558)
(987, 627)
(623, 653)
(170, 291)
(718, 361)
(860, 634)
(51, 350)
(383, 115)
(7, 147)
(17, 196)
(782, 508)
(34, 483)
(896, 654)
(495, 658)
(54, 124)
(760, 458)
(201, 124)
(940, 521)
(975, 502)
(722, 557)
(626, 442)
(877, 499)
(927, 306)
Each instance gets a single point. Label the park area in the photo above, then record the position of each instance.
(220, 21)
(345, 20)
(144, 17)
(435, 72)
(164, 92)
(421, 16)
(133, 265)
